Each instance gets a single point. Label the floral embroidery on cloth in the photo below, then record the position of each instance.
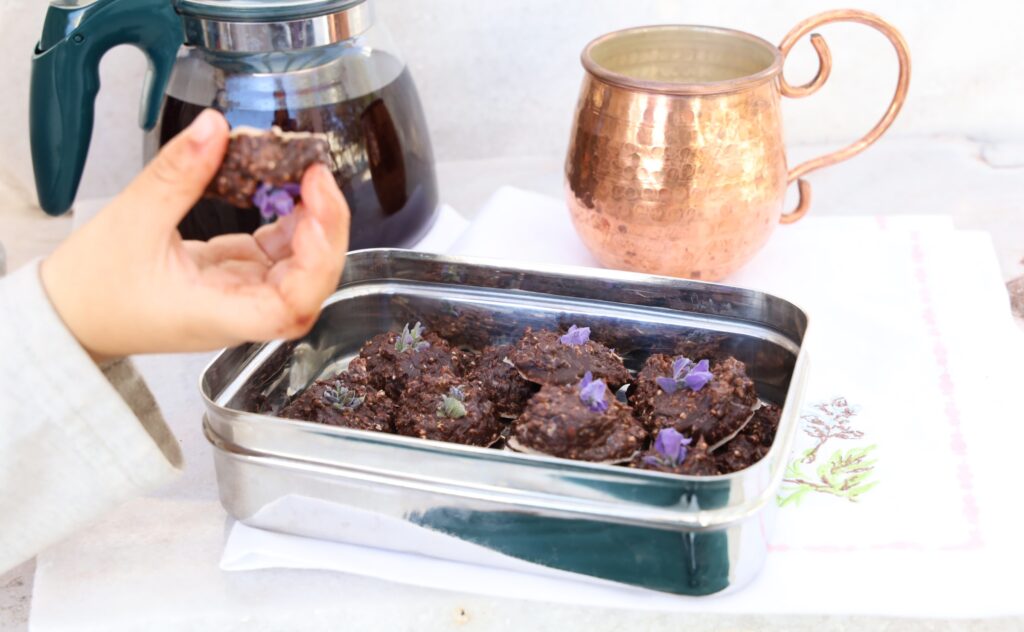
(844, 473)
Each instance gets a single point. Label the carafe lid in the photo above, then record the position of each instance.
(262, 10)
(264, 26)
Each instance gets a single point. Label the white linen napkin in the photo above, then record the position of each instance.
(914, 355)
(448, 227)
(517, 224)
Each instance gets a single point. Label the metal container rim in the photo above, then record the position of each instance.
(676, 88)
(553, 268)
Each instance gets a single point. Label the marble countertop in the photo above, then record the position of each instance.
(980, 186)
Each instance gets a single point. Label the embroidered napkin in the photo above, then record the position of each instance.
(897, 499)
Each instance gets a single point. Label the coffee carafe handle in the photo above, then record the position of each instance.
(65, 81)
(824, 69)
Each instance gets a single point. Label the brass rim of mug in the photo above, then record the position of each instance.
(682, 59)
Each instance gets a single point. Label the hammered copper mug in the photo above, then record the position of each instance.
(676, 163)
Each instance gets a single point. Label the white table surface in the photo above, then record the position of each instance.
(980, 186)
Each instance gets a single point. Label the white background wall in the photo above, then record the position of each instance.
(501, 78)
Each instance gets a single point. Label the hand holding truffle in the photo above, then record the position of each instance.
(126, 282)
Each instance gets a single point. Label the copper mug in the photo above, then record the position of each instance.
(676, 163)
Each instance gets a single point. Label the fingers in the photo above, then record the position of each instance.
(175, 180)
(324, 202)
(287, 299)
(318, 247)
(234, 274)
(226, 248)
(307, 253)
(306, 279)
(323, 199)
(316, 255)
(276, 239)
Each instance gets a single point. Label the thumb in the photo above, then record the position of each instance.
(173, 182)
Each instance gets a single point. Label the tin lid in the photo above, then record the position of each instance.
(262, 10)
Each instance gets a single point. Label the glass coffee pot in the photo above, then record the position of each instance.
(323, 66)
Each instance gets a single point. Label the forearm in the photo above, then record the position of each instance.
(75, 439)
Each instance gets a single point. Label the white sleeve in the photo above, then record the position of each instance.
(75, 439)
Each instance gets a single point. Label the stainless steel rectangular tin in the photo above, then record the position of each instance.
(684, 535)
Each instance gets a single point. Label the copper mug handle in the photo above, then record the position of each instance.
(824, 69)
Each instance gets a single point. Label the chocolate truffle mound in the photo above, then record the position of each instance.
(699, 462)
(465, 361)
(394, 359)
(336, 402)
(763, 426)
(273, 158)
(502, 384)
(551, 358)
(752, 443)
(739, 454)
(444, 407)
(356, 373)
(699, 399)
(583, 422)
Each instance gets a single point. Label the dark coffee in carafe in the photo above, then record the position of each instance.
(380, 150)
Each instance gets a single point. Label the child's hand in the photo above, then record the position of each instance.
(126, 283)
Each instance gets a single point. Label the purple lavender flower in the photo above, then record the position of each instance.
(681, 364)
(593, 393)
(411, 339)
(698, 376)
(669, 447)
(576, 336)
(667, 384)
(276, 201)
(686, 373)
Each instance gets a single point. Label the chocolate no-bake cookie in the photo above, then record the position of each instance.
(700, 400)
(502, 383)
(581, 421)
(271, 158)
(440, 405)
(393, 359)
(739, 453)
(700, 462)
(763, 425)
(551, 358)
(357, 373)
(752, 443)
(338, 402)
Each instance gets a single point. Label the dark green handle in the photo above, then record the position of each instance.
(65, 80)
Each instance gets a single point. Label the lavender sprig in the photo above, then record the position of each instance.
(594, 393)
(411, 339)
(276, 201)
(686, 373)
(452, 405)
(342, 398)
(669, 449)
(576, 336)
